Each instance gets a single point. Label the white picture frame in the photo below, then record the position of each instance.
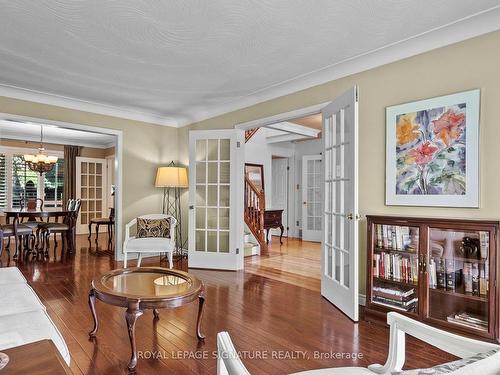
(432, 151)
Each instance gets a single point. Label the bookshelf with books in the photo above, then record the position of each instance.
(441, 271)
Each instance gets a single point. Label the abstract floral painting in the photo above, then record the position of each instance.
(429, 151)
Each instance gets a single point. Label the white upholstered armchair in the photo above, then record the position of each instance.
(141, 246)
(229, 363)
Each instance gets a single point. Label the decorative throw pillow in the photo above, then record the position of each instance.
(447, 368)
(153, 228)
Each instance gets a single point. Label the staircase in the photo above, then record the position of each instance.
(255, 205)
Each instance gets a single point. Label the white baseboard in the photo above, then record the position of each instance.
(362, 299)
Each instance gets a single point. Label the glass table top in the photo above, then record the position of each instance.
(147, 284)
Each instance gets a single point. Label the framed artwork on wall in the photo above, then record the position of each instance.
(432, 152)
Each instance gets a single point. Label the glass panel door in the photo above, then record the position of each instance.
(458, 277)
(90, 185)
(215, 201)
(212, 214)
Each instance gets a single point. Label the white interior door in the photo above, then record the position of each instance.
(279, 195)
(216, 166)
(339, 258)
(312, 211)
(91, 189)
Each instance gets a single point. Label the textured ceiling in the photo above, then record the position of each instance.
(180, 59)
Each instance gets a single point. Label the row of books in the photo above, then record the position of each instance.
(393, 297)
(468, 320)
(394, 237)
(395, 267)
(471, 277)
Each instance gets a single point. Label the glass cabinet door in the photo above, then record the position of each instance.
(458, 277)
(395, 274)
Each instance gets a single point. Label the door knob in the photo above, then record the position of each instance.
(352, 216)
(304, 202)
(349, 216)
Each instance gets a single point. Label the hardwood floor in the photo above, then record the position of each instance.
(295, 262)
(263, 315)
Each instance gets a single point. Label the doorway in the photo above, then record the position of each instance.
(91, 142)
(338, 206)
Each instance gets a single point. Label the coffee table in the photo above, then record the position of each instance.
(140, 288)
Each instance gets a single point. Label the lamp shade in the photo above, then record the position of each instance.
(171, 177)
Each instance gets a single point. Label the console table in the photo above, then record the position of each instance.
(273, 219)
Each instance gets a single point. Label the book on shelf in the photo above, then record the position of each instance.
(394, 237)
(468, 320)
(395, 267)
(432, 273)
(406, 306)
(395, 293)
(484, 244)
(467, 277)
(475, 279)
(440, 273)
(483, 282)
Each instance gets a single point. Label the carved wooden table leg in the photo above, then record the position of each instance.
(133, 312)
(94, 313)
(281, 234)
(156, 313)
(201, 303)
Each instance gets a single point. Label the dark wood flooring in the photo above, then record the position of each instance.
(266, 318)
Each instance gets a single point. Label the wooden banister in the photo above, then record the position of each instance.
(249, 133)
(255, 204)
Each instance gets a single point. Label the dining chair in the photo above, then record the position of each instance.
(67, 228)
(97, 221)
(23, 237)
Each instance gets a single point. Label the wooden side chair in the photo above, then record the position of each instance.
(97, 221)
(23, 237)
(66, 229)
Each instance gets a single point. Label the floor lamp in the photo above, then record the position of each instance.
(172, 179)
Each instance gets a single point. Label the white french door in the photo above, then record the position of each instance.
(216, 165)
(312, 211)
(91, 189)
(279, 196)
(339, 258)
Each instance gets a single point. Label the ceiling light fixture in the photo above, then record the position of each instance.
(40, 162)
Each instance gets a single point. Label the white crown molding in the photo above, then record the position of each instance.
(83, 105)
(457, 31)
(462, 29)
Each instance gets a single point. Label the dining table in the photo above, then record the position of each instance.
(38, 215)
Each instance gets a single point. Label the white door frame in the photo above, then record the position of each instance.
(309, 235)
(118, 164)
(233, 260)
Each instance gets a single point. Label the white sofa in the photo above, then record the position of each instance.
(141, 246)
(23, 317)
(229, 363)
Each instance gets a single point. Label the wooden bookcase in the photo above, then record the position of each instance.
(439, 271)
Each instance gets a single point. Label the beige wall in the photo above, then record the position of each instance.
(467, 65)
(145, 146)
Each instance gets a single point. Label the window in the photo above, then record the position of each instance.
(53, 185)
(18, 182)
(24, 182)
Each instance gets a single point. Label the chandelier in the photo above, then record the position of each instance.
(40, 162)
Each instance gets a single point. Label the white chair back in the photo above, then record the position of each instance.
(228, 361)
